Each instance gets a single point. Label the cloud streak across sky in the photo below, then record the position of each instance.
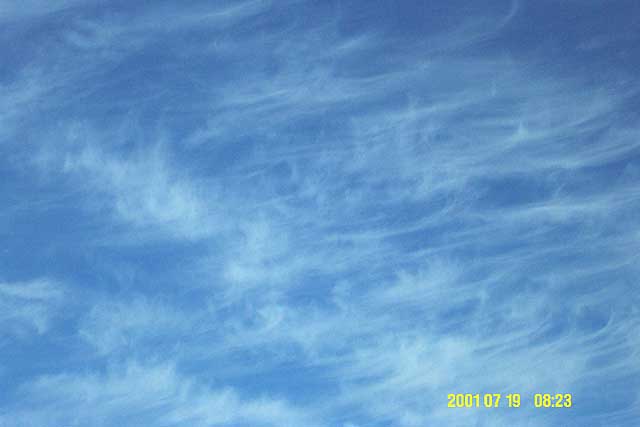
(256, 213)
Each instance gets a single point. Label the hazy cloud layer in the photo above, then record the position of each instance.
(262, 213)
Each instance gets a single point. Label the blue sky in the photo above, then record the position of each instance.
(318, 213)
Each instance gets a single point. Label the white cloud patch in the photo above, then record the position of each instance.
(118, 327)
(30, 306)
(149, 394)
(140, 188)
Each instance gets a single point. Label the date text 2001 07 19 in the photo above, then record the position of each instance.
(513, 400)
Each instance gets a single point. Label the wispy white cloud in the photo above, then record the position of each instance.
(11, 12)
(150, 394)
(139, 188)
(398, 218)
(116, 327)
(30, 306)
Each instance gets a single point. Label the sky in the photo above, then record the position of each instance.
(326, 213)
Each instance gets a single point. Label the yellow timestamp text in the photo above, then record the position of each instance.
(511, 400)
